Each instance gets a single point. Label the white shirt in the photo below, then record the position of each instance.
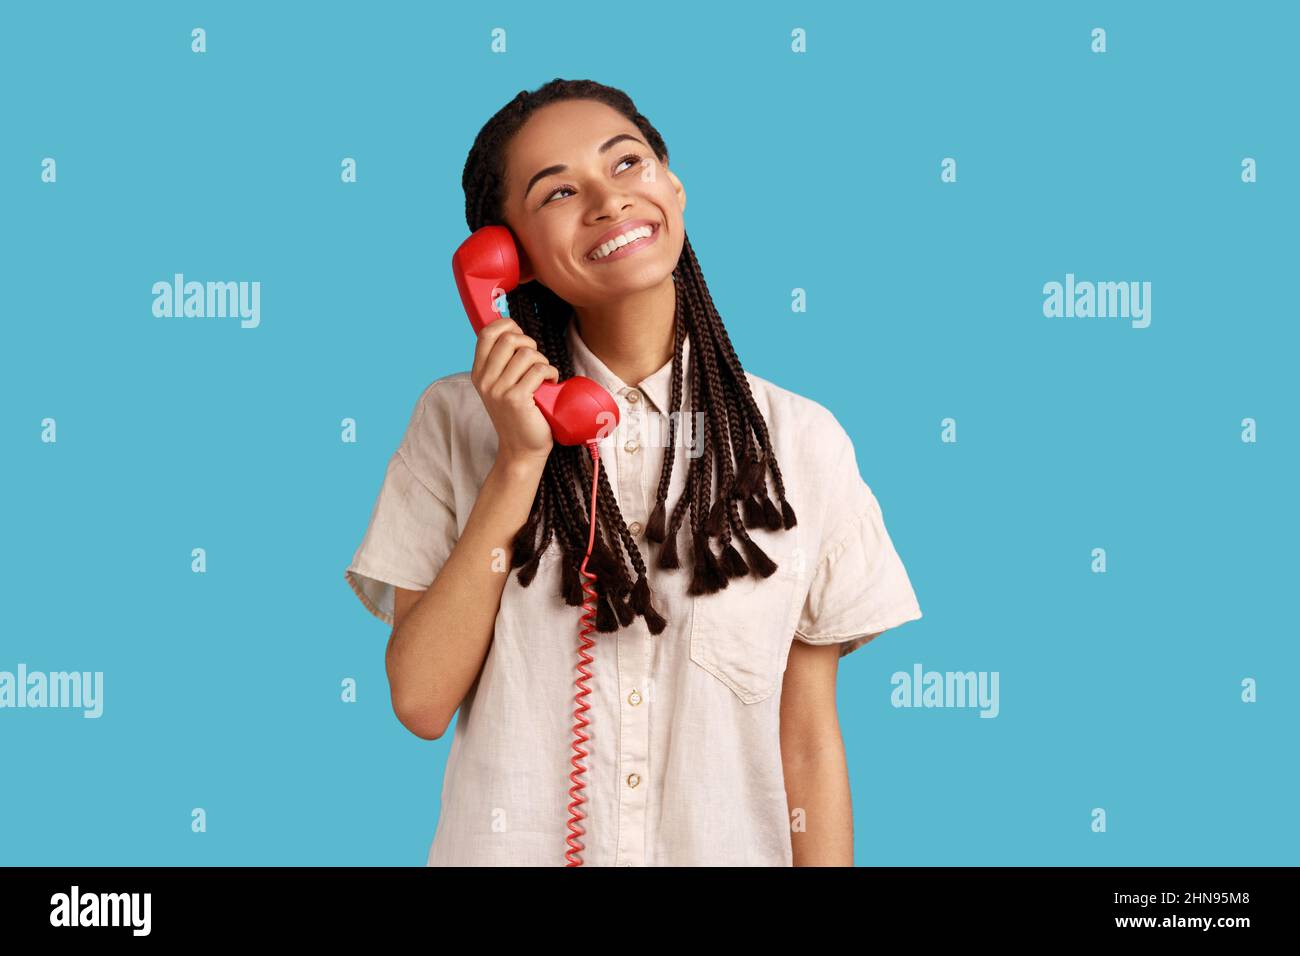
(684, 760)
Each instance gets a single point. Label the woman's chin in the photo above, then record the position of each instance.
(625, 281)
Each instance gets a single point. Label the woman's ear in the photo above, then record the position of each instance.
(678, 189)
(525, 265)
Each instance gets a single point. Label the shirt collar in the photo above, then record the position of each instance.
(657, 387)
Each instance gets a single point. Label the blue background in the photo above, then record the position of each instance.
(817, 171)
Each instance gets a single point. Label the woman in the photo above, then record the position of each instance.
(711, 729)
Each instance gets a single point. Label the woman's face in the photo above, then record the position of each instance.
(597, 175)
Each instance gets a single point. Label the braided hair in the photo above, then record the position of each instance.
(735, 436)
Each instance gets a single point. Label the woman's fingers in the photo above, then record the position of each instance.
(523, 361)
(496, 346)
(508, 369)
(531, 380)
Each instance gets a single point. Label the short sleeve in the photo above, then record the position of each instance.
(859, 587)
(413, 527)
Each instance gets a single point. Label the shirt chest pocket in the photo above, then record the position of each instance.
(741, 634)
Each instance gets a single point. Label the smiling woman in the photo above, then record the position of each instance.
(592, 177)
(689, 727)
(574, 176)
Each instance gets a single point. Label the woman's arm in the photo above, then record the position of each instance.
(812, 756)
(442, 634)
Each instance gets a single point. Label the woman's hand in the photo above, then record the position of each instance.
(508, 368)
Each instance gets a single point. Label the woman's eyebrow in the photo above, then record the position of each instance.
(604, 148)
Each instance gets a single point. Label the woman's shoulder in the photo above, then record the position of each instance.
(449, 433)
(442, 404)
(452, 395)
(796, 418)
(447, 392)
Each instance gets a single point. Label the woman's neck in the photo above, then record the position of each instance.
(634, 335)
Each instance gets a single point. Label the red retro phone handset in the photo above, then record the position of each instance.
(580, 412)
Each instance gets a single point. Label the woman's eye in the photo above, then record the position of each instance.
(633, 157)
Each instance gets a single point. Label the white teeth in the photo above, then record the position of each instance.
(641, 232)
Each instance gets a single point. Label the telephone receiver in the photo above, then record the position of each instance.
(486, 266)
(579, 411)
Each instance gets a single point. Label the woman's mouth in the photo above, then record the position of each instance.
(626, 244)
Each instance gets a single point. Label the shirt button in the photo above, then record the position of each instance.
(633, 396)
(634, 698)
(633, 779)
(632, 445)
(635, 528)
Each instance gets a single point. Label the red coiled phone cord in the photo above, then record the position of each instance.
(586, 643)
